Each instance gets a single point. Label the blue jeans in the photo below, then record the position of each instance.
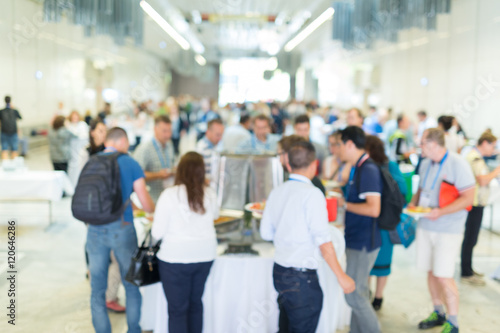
(122, 239)
(183, 285)
(300, 299)
(10, 141)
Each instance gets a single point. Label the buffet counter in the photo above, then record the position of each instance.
(240, 296)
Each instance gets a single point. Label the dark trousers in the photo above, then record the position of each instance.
(60, 166)
(472, 227)
(183, 285)
(176, 142)
(300, 299)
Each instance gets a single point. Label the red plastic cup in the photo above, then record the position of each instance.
(331, 207)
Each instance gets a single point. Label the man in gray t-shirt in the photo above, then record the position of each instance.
(454, 170)
(156, 157)
(440, 233)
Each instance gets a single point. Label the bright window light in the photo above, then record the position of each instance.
(109, 95)
(242, 80)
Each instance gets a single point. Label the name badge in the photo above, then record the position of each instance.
(425, 199)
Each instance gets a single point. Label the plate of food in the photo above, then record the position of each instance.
(224, 219)
(256, 207)
(142, 216)
(417, 211)
(331, 184)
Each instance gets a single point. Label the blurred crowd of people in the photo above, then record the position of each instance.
(159, 135)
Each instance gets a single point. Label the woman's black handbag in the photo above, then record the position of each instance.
(143, 269)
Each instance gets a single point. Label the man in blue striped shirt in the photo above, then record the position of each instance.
(209, 144)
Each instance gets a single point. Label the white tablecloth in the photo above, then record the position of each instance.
(240, 296)
(42, 185)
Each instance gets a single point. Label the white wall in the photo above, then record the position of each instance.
(65, 57)
(464, 49)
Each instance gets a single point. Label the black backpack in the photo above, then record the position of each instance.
(392, 200)
(98, 196)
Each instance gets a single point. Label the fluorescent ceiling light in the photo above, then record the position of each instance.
(200, 60)
(164, 25)
(327, 14)
(197, 46)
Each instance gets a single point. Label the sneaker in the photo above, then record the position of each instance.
(478, 274)
(115, 307)
(449, 328)
(377, 303)
(435, 319)
(473, 280)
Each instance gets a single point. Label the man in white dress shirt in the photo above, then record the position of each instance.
(296, 220)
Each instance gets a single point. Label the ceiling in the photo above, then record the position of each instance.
(211, 31)
(237, 28)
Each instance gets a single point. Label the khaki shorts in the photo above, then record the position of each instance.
(437, 252)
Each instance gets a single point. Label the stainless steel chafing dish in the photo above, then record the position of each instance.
(239, 179)
(229, 220)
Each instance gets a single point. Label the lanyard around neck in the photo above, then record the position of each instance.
(163, 162)
(297, 180)
(361, 160)
(438, 172)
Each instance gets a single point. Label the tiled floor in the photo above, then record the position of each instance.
(53, 294)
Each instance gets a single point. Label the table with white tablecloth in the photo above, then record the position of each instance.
(240, 296)
(23, 185)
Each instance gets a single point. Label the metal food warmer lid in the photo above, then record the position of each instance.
(246, 178)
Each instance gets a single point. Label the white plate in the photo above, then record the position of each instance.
(414, 214)
(231, 213)
(331, 194)
(253, 210)
(331, 184)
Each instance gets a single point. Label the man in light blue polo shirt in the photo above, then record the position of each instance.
(362, 235)
(440, 233)
(296, 220)
(261, 141)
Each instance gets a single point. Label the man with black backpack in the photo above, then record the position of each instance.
(362, 233)
(102, 199)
